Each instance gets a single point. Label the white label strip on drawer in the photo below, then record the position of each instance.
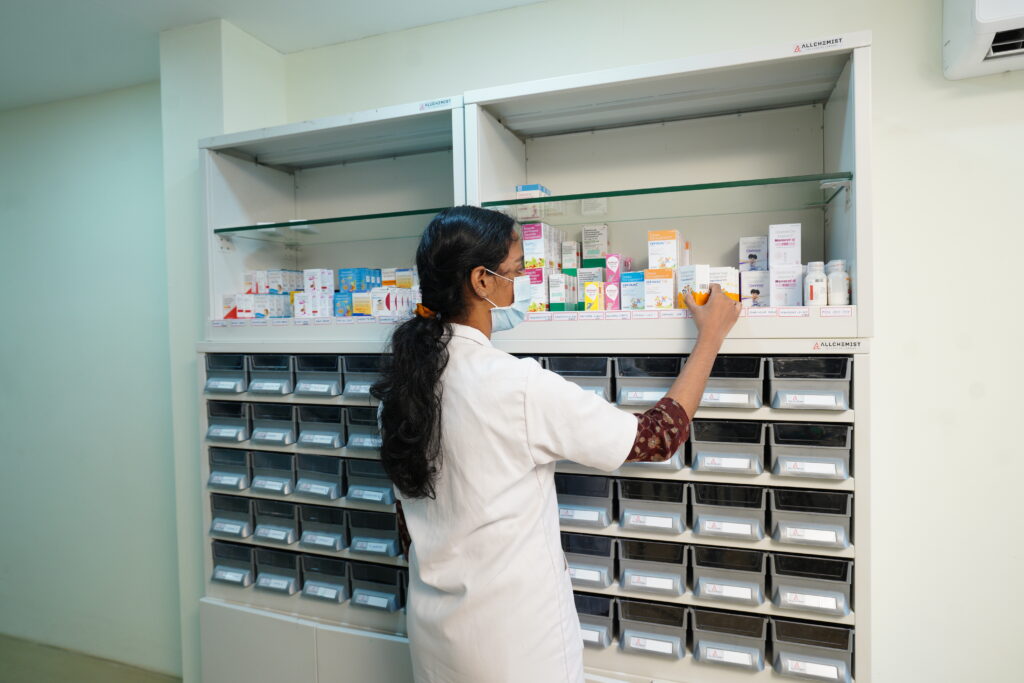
(318, 438)
(225, 575)
(225, 479)
(266, 386)
(315, 489)
(651, 582)
(323, 591)
(651, 396)
(268, 485)
(225, 431)
(806, 600)
(720, 527)
(717, 654)
(371, 600)
(651, 645)
(365, 494)
(227, 527)
(584, 574)
(715, 398)
(724, 590)
(812, 669)
(579, 515)
(222, 384)
(314, 388)
(272, 534)
(655, 521)
(319, 539)
(590, 635)
(727, 463)
(354, 388)
(263, 435)
(816, 535)
(812, 400)
(364, 441)
(371, 547)
(801, 467)
(276, 584)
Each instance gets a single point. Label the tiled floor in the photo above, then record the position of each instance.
(25, 662)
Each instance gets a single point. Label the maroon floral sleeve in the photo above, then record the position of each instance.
(660, 432)
(403, 530)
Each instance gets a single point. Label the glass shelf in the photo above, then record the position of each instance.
(373, 226)
(760, 195)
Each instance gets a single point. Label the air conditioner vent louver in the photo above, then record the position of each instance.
(1007, 43)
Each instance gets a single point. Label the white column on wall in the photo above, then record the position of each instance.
(214, 79)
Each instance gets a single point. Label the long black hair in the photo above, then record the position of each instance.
(456, 241)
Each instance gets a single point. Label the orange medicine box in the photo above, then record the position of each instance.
(659, 288)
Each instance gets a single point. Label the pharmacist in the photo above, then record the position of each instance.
(471, 436)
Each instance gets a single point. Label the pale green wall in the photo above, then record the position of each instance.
(87, 541)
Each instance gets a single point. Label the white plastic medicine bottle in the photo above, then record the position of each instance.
(815, 284)
(838, 283)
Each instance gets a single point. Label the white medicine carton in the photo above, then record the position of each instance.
(783, 245)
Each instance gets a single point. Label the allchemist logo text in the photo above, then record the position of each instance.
(837, 345)
(817, 45)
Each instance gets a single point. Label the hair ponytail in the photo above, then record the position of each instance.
(456, 241)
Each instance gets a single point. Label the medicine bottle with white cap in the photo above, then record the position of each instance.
(815, 284)
(838, 283)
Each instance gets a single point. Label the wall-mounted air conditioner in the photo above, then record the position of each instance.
(982, 37)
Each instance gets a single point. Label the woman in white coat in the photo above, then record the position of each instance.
(471, 437)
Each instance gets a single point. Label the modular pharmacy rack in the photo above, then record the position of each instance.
(746, 557)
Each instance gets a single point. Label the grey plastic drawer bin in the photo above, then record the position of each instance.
(652, 506)
(644, 380)
(277, 571)
(374, 533)
(277, 522)
(318, 376)
(728, 639)
(811, 584)
(230, 469)
(650, 628)
(271, 374)
(228, 421)
(321, 427)
(584, 501)
(728, 511)
(377, 587)
(591, 559)
(363, 431)
(273, 473)
(233, 564)
(812, 651)
(323, 528)
(368, 482)
(361, 373)
(735, 382)
(324, 578)
(652, 567)
(727, 446)
(231, 516)
(273, 424)
(820, 518)
(596, 615)
(226, 373)
(591, 373)
(728, 575)
(810, 382)
(320, 476)
(811, 450)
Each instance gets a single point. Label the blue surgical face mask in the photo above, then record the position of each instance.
(506, 317)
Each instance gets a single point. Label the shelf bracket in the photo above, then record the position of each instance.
(224, 244)
(838, 186)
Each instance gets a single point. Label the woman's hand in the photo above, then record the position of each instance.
(715, 318)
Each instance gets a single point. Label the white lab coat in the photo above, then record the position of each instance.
(490, 599)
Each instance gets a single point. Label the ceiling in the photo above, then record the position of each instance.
(55, 49)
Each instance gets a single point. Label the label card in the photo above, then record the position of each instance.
(836, 311)
(538, 316)
(313, 388)
(655, 521)
(657, 582)
(311, 538)
(370, 547)
(716, 654)
(225, 431)
(322, 439)
(268, 485)
(616, 315)
(560, 316)
(724, 590)
(645, 315)
(814, 535)
(584, 574)
(801, 467)
(766, 312)
(591, 315)
(272, 534)
(365, 441)
(590, 636)
(267, 386)
(673, 314)
(794, 312)
(225, 479)
(273, 583)
(221, 384)
(579, 515)
(227, 575)
(371, 601)
(812, 669)
(651, 645)
(322, 592)
(366, 494)
(227, 527)
(651, 396)
(815, 400)
(727, 463)
(812, 601)
(720, 527)
(357, 388)
(315, 489)
(715, 398)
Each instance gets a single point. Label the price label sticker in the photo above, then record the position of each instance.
(300, 322)
(268, 436)
(794, 312)
(237, 323)
(219, 323)
(836, 312)
(591, 315)
(280, 322)
(579, 515)
(645, 315)
(673, 314)
(365, 320)
(655, 521)
(657, 582)
(538, 316)
(617, 315)
(357, 388)
(266, 386)
(364, 441)
(651, 645)
(715, 526)
(724, 590)
(563, 316)
(765, 312)
(224, 431)
(813, 535)
(221, 384)
(716, 654)
(344, 320)
(581, 574)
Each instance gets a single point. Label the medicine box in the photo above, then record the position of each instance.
(300, 305)
(697, 281)
(659, 288)
(753, 254)
(571, 255)
(321, 305)
(728, 278)
(615, 265)
(562, 294)
(318, 281)
(667, 249)
(539, 289)
(361, 303)
(595, 241)
(783, 245)
(612, 296)
(540, 248)
(405, 278)
(755, 288)
(245, 305)
(342, 304)
(388, 277)
(631, 291)
(530, 211)
(256, 282)
(787, 285)
(593, 296)
(356, 279)
(278, 281)
(585, 275)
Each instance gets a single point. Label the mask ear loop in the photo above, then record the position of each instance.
(496, 275)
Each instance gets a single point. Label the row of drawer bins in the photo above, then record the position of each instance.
(795, 649)
(313, 576)
(729, 511)
(313, 375)
(284, 424)
(808, 450)
(793, 382)
(815, 585)
(313, 527)
(323, 477)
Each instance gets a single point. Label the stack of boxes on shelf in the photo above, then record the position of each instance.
(772, 272)
(311, 293)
